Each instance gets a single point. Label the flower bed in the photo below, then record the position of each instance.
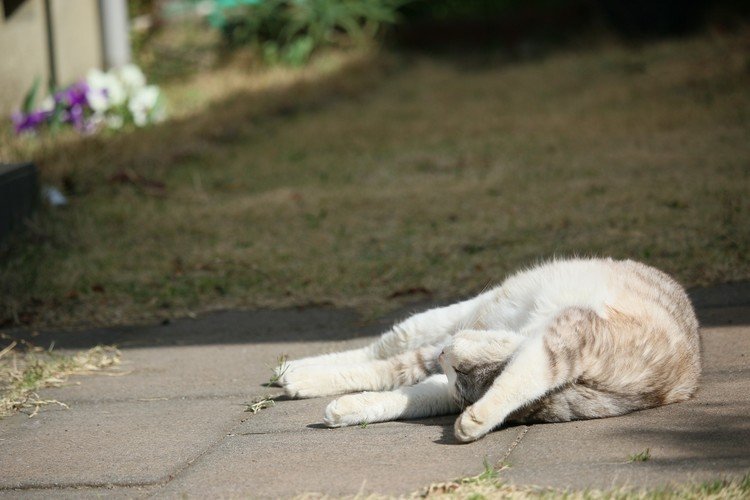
(104, 100)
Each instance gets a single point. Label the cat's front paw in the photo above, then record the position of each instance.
(470, 426)
(347, 410)
(277, 379)
(282, 368)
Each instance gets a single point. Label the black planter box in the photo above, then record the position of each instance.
(19, 195)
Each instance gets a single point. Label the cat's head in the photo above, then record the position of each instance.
(469, 376)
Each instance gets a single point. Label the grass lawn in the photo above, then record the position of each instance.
(368, 180)
(487, 485)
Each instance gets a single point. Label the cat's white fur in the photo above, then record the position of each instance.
(577, 338)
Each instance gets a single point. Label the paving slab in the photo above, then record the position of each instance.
(390, 458)
(704, 438)
(191, 371)
(174, 425)
(129, 443)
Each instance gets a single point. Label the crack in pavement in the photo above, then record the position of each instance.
(514, 444)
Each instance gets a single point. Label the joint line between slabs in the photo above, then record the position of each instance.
(514, 444)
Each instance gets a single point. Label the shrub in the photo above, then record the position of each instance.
(289, 31)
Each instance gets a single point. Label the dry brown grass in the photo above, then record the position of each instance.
(24, 373)
(259, 403)
(359, 182)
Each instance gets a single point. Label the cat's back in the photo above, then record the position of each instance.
(644, 290)
(642, 338)
(536, 294)
(605, 286)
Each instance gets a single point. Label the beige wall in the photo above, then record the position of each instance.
(23, 46)
(77, 37)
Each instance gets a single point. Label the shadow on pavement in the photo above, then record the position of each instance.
(726, 304)
(700, 431)
(723, 305)
(313, 324)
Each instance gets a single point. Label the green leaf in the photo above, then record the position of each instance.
(30, 99)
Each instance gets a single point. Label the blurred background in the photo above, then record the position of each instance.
(168, 157)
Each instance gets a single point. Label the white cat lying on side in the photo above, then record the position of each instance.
(566, 340)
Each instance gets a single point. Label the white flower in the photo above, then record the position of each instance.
(48, 104)
(105, 90)
(132, 78)
(142, 103)
(97, 99)
(115, 122)
(96, 120)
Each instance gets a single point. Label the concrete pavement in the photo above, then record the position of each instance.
(175, 424)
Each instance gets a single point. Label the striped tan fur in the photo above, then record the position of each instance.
(565, 340)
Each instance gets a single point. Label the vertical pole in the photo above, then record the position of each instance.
(51, 59)
(115, 35)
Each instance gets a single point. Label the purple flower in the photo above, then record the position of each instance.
(75, 116)
(75, 95)
(73, 104)
(29, 122)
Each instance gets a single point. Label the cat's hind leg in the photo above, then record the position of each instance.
(579, 402)
(428, 398)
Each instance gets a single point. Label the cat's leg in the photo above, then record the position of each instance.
(544, 362)
(433, 326)
(428, 398)
(579, 402)
(381, 374)
(422, 329)
(474, 359)
(408, 368)
(475, 347)
(363, 354)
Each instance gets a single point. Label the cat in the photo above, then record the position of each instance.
(565, 340)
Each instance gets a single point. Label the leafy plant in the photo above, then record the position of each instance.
(325, 20)
(289, 31)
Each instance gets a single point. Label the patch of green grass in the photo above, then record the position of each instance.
(472, 486)
(22, 374)
(363, 425)
(489, 473)
(355, 181)
(643, 456)
(493, 488)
